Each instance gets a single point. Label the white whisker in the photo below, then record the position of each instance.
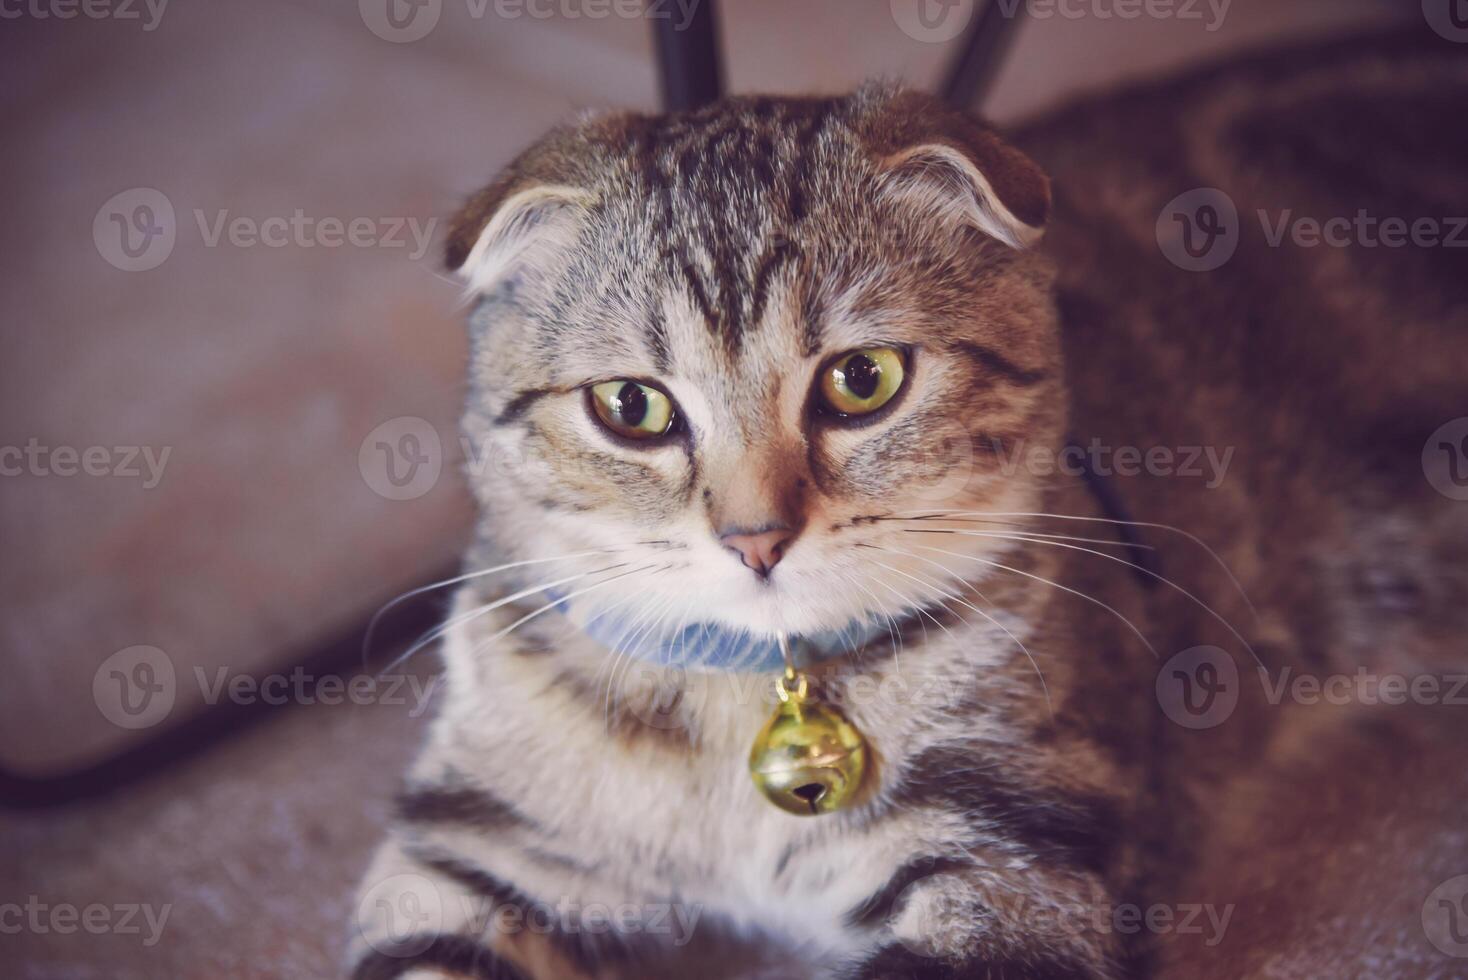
(1040, 578)
(1050, 706)
(563, 600)
(916, 606)
(393, 603)
(1117, 522)
(892, 630)
(596, 680)
(1145, 571)
(619, 654)
(484, 610)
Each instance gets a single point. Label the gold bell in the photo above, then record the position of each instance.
(808, 759)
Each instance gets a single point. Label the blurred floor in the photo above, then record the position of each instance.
(246, 858)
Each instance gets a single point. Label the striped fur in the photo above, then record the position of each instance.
(726, 255)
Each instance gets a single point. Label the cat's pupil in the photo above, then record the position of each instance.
(862, 375)
(631, 404)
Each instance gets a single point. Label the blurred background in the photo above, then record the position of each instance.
(231, 372)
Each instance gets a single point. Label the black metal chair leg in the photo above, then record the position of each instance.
(689, 66)
(977, 64)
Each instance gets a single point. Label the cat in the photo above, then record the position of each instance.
(787, 365)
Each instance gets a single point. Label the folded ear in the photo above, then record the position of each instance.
(531, 213)
(954, 167)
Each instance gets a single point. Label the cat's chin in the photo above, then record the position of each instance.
(789, 606)
(737, 632)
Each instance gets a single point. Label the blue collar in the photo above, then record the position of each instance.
(713, 646)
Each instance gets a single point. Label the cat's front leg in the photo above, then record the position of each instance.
(970, 926)
(425, 919)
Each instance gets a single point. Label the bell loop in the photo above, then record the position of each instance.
(809, 758)
(800, 682)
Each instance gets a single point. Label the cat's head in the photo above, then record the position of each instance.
(734, 347)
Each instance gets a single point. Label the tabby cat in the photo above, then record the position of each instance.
(796, 366)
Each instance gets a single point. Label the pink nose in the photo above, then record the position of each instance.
(759, 551)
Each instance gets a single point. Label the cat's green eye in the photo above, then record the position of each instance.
(862, 381)
(634, 410)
